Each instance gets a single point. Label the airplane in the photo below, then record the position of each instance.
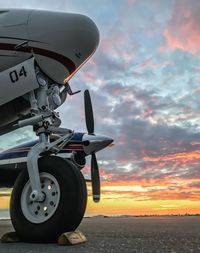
(40, 52)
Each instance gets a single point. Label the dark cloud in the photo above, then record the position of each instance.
(144, 82)
(194, 184)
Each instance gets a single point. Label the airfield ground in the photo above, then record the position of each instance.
(172, 234)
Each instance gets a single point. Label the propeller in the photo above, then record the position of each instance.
(88, 112)
(94, 165)
(95, 178)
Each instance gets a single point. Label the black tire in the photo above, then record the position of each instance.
(70, 209)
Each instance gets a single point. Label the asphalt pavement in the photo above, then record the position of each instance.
(172, 234)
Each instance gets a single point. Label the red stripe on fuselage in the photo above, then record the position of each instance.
(69, 64)
(69, 147)
(73, 147)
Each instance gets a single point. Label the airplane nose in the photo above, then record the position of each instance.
(95, 143)
(108, 141)
(70, 40)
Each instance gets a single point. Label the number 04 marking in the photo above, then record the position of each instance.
(15, 76)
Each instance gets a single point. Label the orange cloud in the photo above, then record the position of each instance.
(123, 201)
(158, 196)
(183, 31)
(151, 64)
(193, 143)
(182, 156)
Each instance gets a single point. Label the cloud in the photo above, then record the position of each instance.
(151, 191)
(144, 83)
(182, 31)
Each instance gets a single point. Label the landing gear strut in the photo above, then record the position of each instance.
(50, 196)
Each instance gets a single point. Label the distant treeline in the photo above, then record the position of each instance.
(145, 215)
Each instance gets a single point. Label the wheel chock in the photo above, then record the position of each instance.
(10, 237)
(66, 239)
(71, 238)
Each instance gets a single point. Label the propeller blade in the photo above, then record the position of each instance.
(88, 112)
(95, 179)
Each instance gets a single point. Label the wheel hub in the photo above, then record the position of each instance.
(38, 212)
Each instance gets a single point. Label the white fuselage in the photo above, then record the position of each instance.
(60, 43)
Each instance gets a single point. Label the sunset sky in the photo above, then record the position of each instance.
(145, 86)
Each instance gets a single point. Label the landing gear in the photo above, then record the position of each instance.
(63, 207)
(50, 196)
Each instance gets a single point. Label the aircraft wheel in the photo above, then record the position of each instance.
(63, 207)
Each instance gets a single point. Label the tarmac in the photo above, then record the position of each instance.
(171, 234)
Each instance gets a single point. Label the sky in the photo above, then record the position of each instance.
(144, 81)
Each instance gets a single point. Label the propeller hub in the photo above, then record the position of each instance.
(95, 143)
